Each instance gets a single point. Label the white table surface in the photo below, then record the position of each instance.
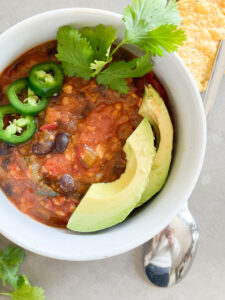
(122, 277)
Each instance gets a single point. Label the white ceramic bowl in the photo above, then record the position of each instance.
(186, 166)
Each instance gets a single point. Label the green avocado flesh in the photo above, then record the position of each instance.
(154, 109)
(107, 204)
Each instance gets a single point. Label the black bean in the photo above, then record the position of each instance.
(42, 148)
(61, 142)
(4, 149)
(8, 190)
(67, 183)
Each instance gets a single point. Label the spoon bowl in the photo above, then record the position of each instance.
(169, 255)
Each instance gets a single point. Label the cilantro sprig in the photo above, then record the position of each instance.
(10, 260)
(151, 25)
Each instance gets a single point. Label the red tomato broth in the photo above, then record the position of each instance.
(97, 121)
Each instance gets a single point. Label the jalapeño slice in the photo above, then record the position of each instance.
(19, 129)
(24, 99)
(46, 79)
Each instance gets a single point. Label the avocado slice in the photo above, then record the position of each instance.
(154, 109)
(107, 204)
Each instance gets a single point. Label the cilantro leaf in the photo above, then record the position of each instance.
(13, 255)
(68, 68)
(100, 39)
(116, 73)
(10, 260)
(26, 291)
(146, 15)
(75, 52)
(166, 37)
(10, 275)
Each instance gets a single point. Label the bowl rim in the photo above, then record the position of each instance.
(145, 237)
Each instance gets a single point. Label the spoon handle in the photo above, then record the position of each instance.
(215, 78)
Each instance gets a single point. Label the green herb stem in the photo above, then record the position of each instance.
(5, 294)
(117, 47)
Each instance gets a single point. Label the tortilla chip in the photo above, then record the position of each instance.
(220, 4)
(204, 24)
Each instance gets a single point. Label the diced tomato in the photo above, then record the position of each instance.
(49, 127)
(57, 166)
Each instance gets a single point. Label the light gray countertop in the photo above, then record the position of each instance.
(122, 277)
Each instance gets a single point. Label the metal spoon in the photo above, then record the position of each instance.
(170, 254)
